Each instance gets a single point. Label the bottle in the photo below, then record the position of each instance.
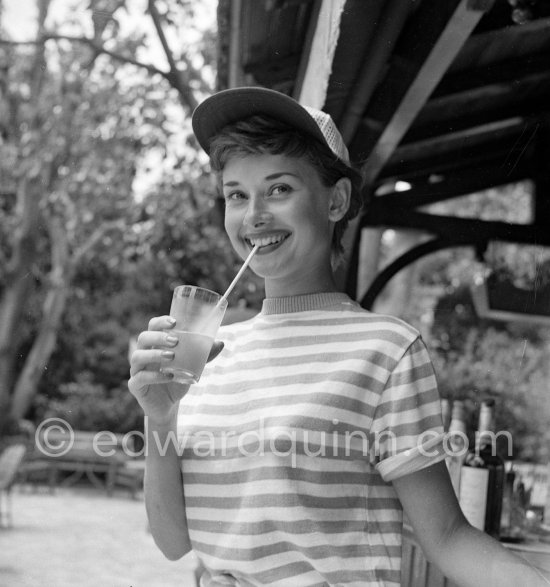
(507, 499)
(512, 516)
(458, 444)
(482, 477)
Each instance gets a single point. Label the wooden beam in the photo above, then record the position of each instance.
(443, 50)
(452, 139)
(412, 255)
(316, 61)
(486, 95)
(507, 149)
(465, 230)
(463, 139)
(306, 50)
(235, 72)
(390, 18)
(507, 73)
(455, 185)
(462, 116)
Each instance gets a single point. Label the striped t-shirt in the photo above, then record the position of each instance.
(292, 437)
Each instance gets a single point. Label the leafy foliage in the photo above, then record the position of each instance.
(86, 405)
(126, 207)
(494, 363)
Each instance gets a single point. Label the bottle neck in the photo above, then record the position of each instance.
(457, 418)
(486, 419)
(486, 426)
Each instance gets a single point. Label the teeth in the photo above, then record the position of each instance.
(265, 240)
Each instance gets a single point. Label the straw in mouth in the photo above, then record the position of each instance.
(239, 274)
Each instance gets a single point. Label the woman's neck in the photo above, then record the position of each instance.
(305, 284)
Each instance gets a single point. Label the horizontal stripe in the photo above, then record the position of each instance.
(222, 481)
(347, 553)
(296, 527)
(377, 518)
(349, 402)
(367, 323)
(278, 514)
(286, 500)
(241, 464)
(325, 570)
(276, 563)
(327, 355)
(272, 487)
(340, 377)
(331, 339)
(301, 541)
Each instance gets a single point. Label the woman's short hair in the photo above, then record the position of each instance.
(261, 135)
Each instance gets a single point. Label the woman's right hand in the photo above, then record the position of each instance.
(156, 392)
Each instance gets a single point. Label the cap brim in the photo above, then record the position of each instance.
(229, 106)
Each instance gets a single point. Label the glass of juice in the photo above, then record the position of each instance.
(198, 313)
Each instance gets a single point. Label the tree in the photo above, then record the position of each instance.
(72, 141)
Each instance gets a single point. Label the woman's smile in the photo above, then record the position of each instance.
(266, 241)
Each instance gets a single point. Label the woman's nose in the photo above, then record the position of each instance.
(257, 215)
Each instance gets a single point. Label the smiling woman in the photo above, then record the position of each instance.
(281, 203)
(318, 423)
(267, 133)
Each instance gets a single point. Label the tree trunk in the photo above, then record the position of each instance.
(32, 178)
(55, 300)
(17, 289)
(64, 265)
(42, 348)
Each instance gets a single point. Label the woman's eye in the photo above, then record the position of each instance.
(234, 196)
(279, 189)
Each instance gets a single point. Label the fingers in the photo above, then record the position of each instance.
(153, 346)
(161, 323)
(157, 335)
(149, 359)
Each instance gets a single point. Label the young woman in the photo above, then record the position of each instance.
(316, 423)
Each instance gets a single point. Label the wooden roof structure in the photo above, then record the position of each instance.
(450, 96)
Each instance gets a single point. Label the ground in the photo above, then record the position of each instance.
(79, 536)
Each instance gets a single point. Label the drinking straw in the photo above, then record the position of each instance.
(238, 276)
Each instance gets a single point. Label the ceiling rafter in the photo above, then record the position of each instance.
(440, 44)
(453, 185)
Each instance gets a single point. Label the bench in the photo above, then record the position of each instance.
(106, 459)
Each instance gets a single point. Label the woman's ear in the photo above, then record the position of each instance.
(339, 199)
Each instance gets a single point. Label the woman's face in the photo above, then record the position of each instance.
(280, 203)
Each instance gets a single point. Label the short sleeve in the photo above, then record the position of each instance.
(407, 429)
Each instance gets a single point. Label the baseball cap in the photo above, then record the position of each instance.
(229, 106)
